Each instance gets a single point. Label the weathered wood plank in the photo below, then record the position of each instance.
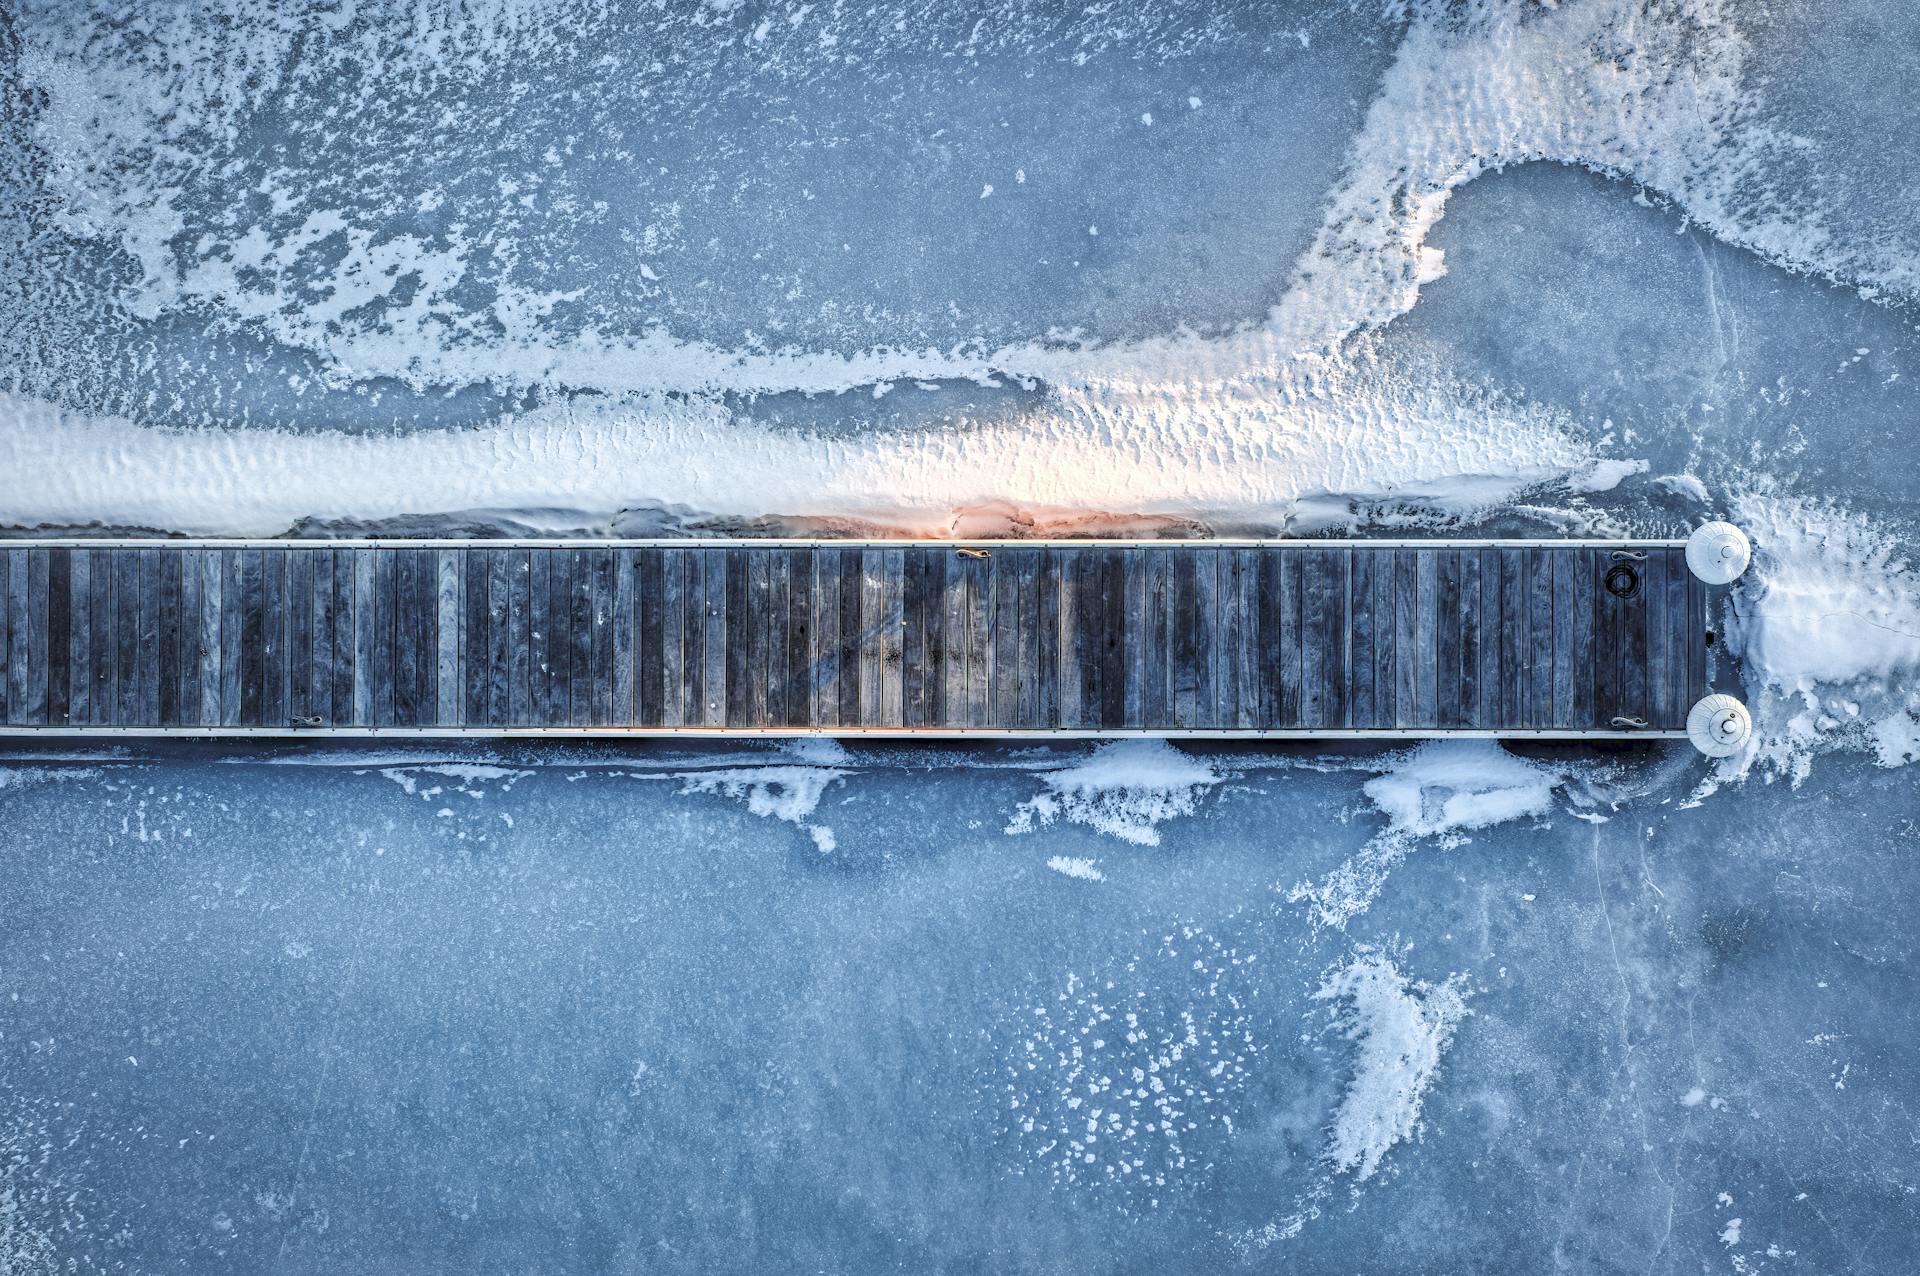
(1061, 685)
(192, 653)
(232, 636)
(773, 670)
(1316, 600)
(13, 655)
(143, 663)
(648, 685)
(1206, 637)
(853, 641)
(1293, 616)
(1426, 630)
(59, 605)
(540, 675)
(1471, 629)
(1226, 638)
(1448, 653)
(977, 587)
(1384, 647)
(1341, 692)
(1511, 711)
(599, 566)
(1003, 638)
(476, 571)
(1582, 618)
(956, 625)
(799, 580)
(1046, 638)
(299, 633)
(715, 675)
(736, 621)
(1679, 632)
(1561, 713)
(80, 638)
(344, 622)
(916, 666)
(1633, 651)
(103, 616)
(1156, 659)
(396, 655)
(1183, 589)
(1253, 673)
(167, 645)
(1406, 640)
(37, 638)
(1267, 638)
(626, 630)
(1539, 626)
(252, 600)
(579, 602)
(873, 650)
(823, 678)
(1699, 623)
(320, 647)
(757, 587)
(937, 639)
(1110, 639)
(1606, 642)
(447, 600)
(1133, 628)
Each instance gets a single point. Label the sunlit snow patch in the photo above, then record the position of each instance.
(1126, 789)
(1439, 791)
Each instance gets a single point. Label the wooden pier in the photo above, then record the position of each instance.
(1200, 638)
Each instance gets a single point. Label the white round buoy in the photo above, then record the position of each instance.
(1719, 725)
(1718, 552)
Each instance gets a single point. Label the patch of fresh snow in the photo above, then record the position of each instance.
(1126, 789)
(1402, 1029)
(1075, 866)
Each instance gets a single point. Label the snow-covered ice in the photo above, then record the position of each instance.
(1489, 268)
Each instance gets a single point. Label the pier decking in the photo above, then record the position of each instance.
(840, 637)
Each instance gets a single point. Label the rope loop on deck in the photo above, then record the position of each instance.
(1637, 724)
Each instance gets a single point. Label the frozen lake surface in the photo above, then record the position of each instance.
(1601, 268)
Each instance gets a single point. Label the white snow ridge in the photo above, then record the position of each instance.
(1126, 789)
(790, 792)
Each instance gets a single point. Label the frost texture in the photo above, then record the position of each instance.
(1402, 1029)
(1120, 1083)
